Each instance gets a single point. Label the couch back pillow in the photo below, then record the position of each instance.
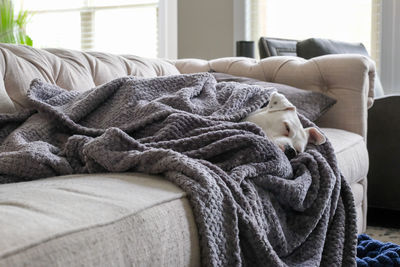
(310, 104)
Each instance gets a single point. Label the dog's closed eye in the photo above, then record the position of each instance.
(287, 129)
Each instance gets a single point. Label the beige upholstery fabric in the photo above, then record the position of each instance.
(347, 78)
(97, 220)
(333, 75)
(352, 156)
(117, 220)
(359, 190)
(351, 152)
(66, 68)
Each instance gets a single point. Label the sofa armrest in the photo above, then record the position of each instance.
(347, 78)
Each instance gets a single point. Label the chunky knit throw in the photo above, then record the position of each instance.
(252, 206)
(372, 252)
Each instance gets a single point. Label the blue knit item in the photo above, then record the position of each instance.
(374, 253)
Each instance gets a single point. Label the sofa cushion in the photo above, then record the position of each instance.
(71, 70)
(315, 47)
(352, 156)
(351, 152)
(96, 220)
(308, 103)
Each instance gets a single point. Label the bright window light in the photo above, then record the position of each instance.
(66, 33)
(130, 30)
(119, 26)
(341, 20)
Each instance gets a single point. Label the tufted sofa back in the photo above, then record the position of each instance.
(66, 68)
(347, 78)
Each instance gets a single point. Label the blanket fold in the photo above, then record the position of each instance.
(252, 206)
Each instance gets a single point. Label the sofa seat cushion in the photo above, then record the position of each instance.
(359, 193)
(352, 156)
(96, 220)
(120, 219)
(351, 152)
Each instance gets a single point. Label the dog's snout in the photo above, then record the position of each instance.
(290, 152)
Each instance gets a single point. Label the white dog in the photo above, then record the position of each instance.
(282, 126)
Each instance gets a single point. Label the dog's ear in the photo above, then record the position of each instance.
(315, 136)
(278, 102)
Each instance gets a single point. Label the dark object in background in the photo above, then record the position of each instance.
(270, 47)
(245, 49)
(315, 47)
(384, 148)
(371, 252)
(312, 47)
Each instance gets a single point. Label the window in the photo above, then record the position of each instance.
(339, 20)
(118, 26)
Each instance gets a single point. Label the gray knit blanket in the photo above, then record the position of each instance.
(252, 206)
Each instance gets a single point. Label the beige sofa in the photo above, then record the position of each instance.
(142, 220)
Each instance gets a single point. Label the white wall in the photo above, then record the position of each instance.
(206, 29)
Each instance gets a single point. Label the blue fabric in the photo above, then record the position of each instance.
(374, 253)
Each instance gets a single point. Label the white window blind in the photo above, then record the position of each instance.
(118, 26)
(343, 20)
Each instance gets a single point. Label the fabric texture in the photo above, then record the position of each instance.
(372, 252)
(353, 161)
(251, 205)
(69, 69)
(351, 152)
(348, 78)
(359, 191)
(315, 47)
(108, 219)
(310, 104)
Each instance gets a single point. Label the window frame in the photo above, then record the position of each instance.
(166, 15)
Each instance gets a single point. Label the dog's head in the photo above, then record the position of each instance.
(281, 124)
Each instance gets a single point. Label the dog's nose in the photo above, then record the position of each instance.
(290, 152)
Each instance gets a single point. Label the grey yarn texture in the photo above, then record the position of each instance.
(252, 206)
